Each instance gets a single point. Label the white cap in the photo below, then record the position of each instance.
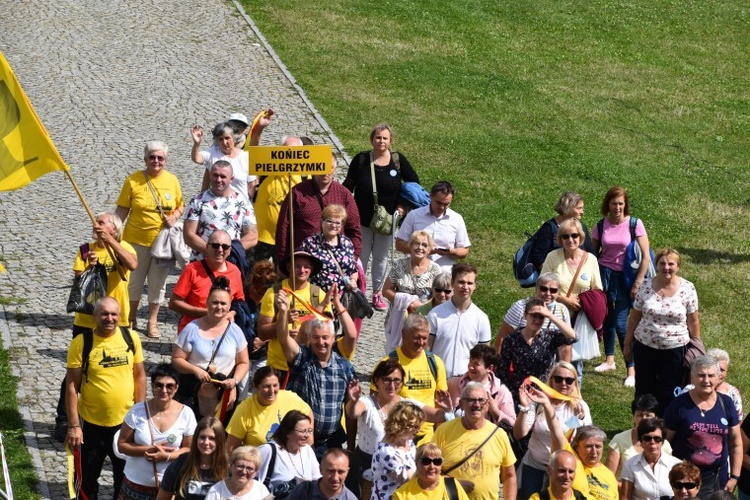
(238, 117)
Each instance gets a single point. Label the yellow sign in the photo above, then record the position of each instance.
(26, 151)
(290, 160)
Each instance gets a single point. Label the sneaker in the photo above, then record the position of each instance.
(629, 382)
(378, 302)
(605, 367)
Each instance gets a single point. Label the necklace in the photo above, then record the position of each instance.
(301, 474)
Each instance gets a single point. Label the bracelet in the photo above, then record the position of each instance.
(73, 426)
(524, 409)
(734, 476)
(342, 312)
(449, 415)
(169, 454)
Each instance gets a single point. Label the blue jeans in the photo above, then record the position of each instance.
(618, 307)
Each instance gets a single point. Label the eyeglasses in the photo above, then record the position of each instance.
(248, 468)
(427, 461)
(157, 158)
(162, 385)
(392, 381)
(648, 438)
(678, 485)
(333, 222)
(570, 236)
(476, 401)
(223, 246)
(568, 380)
(440, 290)
(536, 316)
(546, 289)
(304, 432)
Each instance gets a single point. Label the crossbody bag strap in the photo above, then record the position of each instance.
(210, 273)
(335, 261)
(151, 432)
(450, 488)
(460, 463)
(218, 345)
(156, 197)
(372, 173)
(578, 271)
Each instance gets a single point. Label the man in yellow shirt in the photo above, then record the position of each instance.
(476, 451)
(561, 471)
(101, 388)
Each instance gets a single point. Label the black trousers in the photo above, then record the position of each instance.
(97, 446)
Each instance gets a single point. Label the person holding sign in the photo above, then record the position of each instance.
(388, 169)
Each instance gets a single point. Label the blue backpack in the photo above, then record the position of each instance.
(524, 271)
(414, 194)
(633, 255)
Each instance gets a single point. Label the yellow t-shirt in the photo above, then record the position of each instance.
(419, 384)
(108, 392)
(597, 483)
(268, 200)
(483, 467)
(276, 357)
(117, 288)
(254, 423)
(535, 496)
(144, 220)
(411, 490)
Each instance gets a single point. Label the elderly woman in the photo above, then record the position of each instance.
(153, 434)
(611, 237)
(703, 427)
(393, 461)
(531, 350)
(225, 148)
(569, 206)
(685, 480)
(334, 250)
(442, 289)
(388, 169)
(190, 476)
(150, 200)
(244, 463)
(626, 444)
(547, 287)
(211, 354)
(428, 483)
(664, 318)
(288, 458)
(257, 417)
(722, 357)
(646, 475)
(563, 380)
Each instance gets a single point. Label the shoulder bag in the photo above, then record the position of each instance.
(382, 221)
(88, 287)
(353, 298)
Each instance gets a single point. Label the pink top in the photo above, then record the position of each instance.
(615, 241)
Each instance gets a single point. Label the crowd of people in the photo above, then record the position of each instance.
(261, 399)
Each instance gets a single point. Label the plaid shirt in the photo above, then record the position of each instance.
(322, 387)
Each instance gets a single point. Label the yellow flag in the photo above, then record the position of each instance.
(26, 151)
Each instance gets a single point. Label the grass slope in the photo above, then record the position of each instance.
(516, 102)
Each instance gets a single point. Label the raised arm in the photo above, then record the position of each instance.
(289, 346)
(197, 134)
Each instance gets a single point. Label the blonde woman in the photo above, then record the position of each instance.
(241, 484)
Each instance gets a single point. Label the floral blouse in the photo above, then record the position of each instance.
(391, 468)
(415, 284)
(343, 253)
(664, 321)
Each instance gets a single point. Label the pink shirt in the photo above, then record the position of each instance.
(615, 241)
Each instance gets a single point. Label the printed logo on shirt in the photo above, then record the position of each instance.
(419, 380)
(116, 357)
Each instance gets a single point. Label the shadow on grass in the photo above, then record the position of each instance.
(706, 256)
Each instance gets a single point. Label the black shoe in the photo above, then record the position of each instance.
(61, 431)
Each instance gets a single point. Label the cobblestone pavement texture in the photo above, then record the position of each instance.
(104, 77)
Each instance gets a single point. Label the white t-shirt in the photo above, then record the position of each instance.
(240, 167)
(540, 443)
(370, 428)
(447, 231)
(219, 491)
(200, 349)
(302, 465)
(138, 469)
(456, 333)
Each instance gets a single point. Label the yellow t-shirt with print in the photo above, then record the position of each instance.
(276, 357)
(144, 220)
(597, 483)
(108, 392)
(411, 490)
(483, 467)
(117, 288)
(419, 384)
(271, 194)
(253, 423)
(536, 496)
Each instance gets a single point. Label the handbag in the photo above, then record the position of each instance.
(382, 221)
(88, 287)
(162, 246)
(353, 298)
(587, 345)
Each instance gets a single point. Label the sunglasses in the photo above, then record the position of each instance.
(546, 289)
(392, 381)
(559, 379)
(223, 246)
(162, 385)
(476, 401)
(655, 439)
(678, 485)
(440, 290)
(570, 236)
(157, 158)
(427, 461)
(536, 316)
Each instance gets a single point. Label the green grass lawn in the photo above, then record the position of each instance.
(515, 102)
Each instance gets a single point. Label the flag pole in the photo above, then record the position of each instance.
(93, 221)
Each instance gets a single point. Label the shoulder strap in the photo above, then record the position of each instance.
(218, 345)
(393, 354)
(578, 271)
(271, 466)
(128, 337)
(156, 197)
(88, 344)
(450, 488)
(208, 270)
(633, 222)
(432, 364)
(544, 494)
(314, 295)
(461, 462)
(600, 228)
(396, 159)
(372, 173)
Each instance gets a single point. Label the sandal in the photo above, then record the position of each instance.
(152, 331)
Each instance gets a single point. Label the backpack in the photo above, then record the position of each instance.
(430, 362)
(523, 270)
(633, 256)
(414, 194)
(88, 344)
(544, 495)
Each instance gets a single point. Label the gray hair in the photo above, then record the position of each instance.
(586, 432)
(567, 202)
(442, 281)
(115, 220)
(152, 146)
(222, 164)
(224, 127)
(415, 322)
(471, 387)
(719, 355)
(547, 278)
(702, 362)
